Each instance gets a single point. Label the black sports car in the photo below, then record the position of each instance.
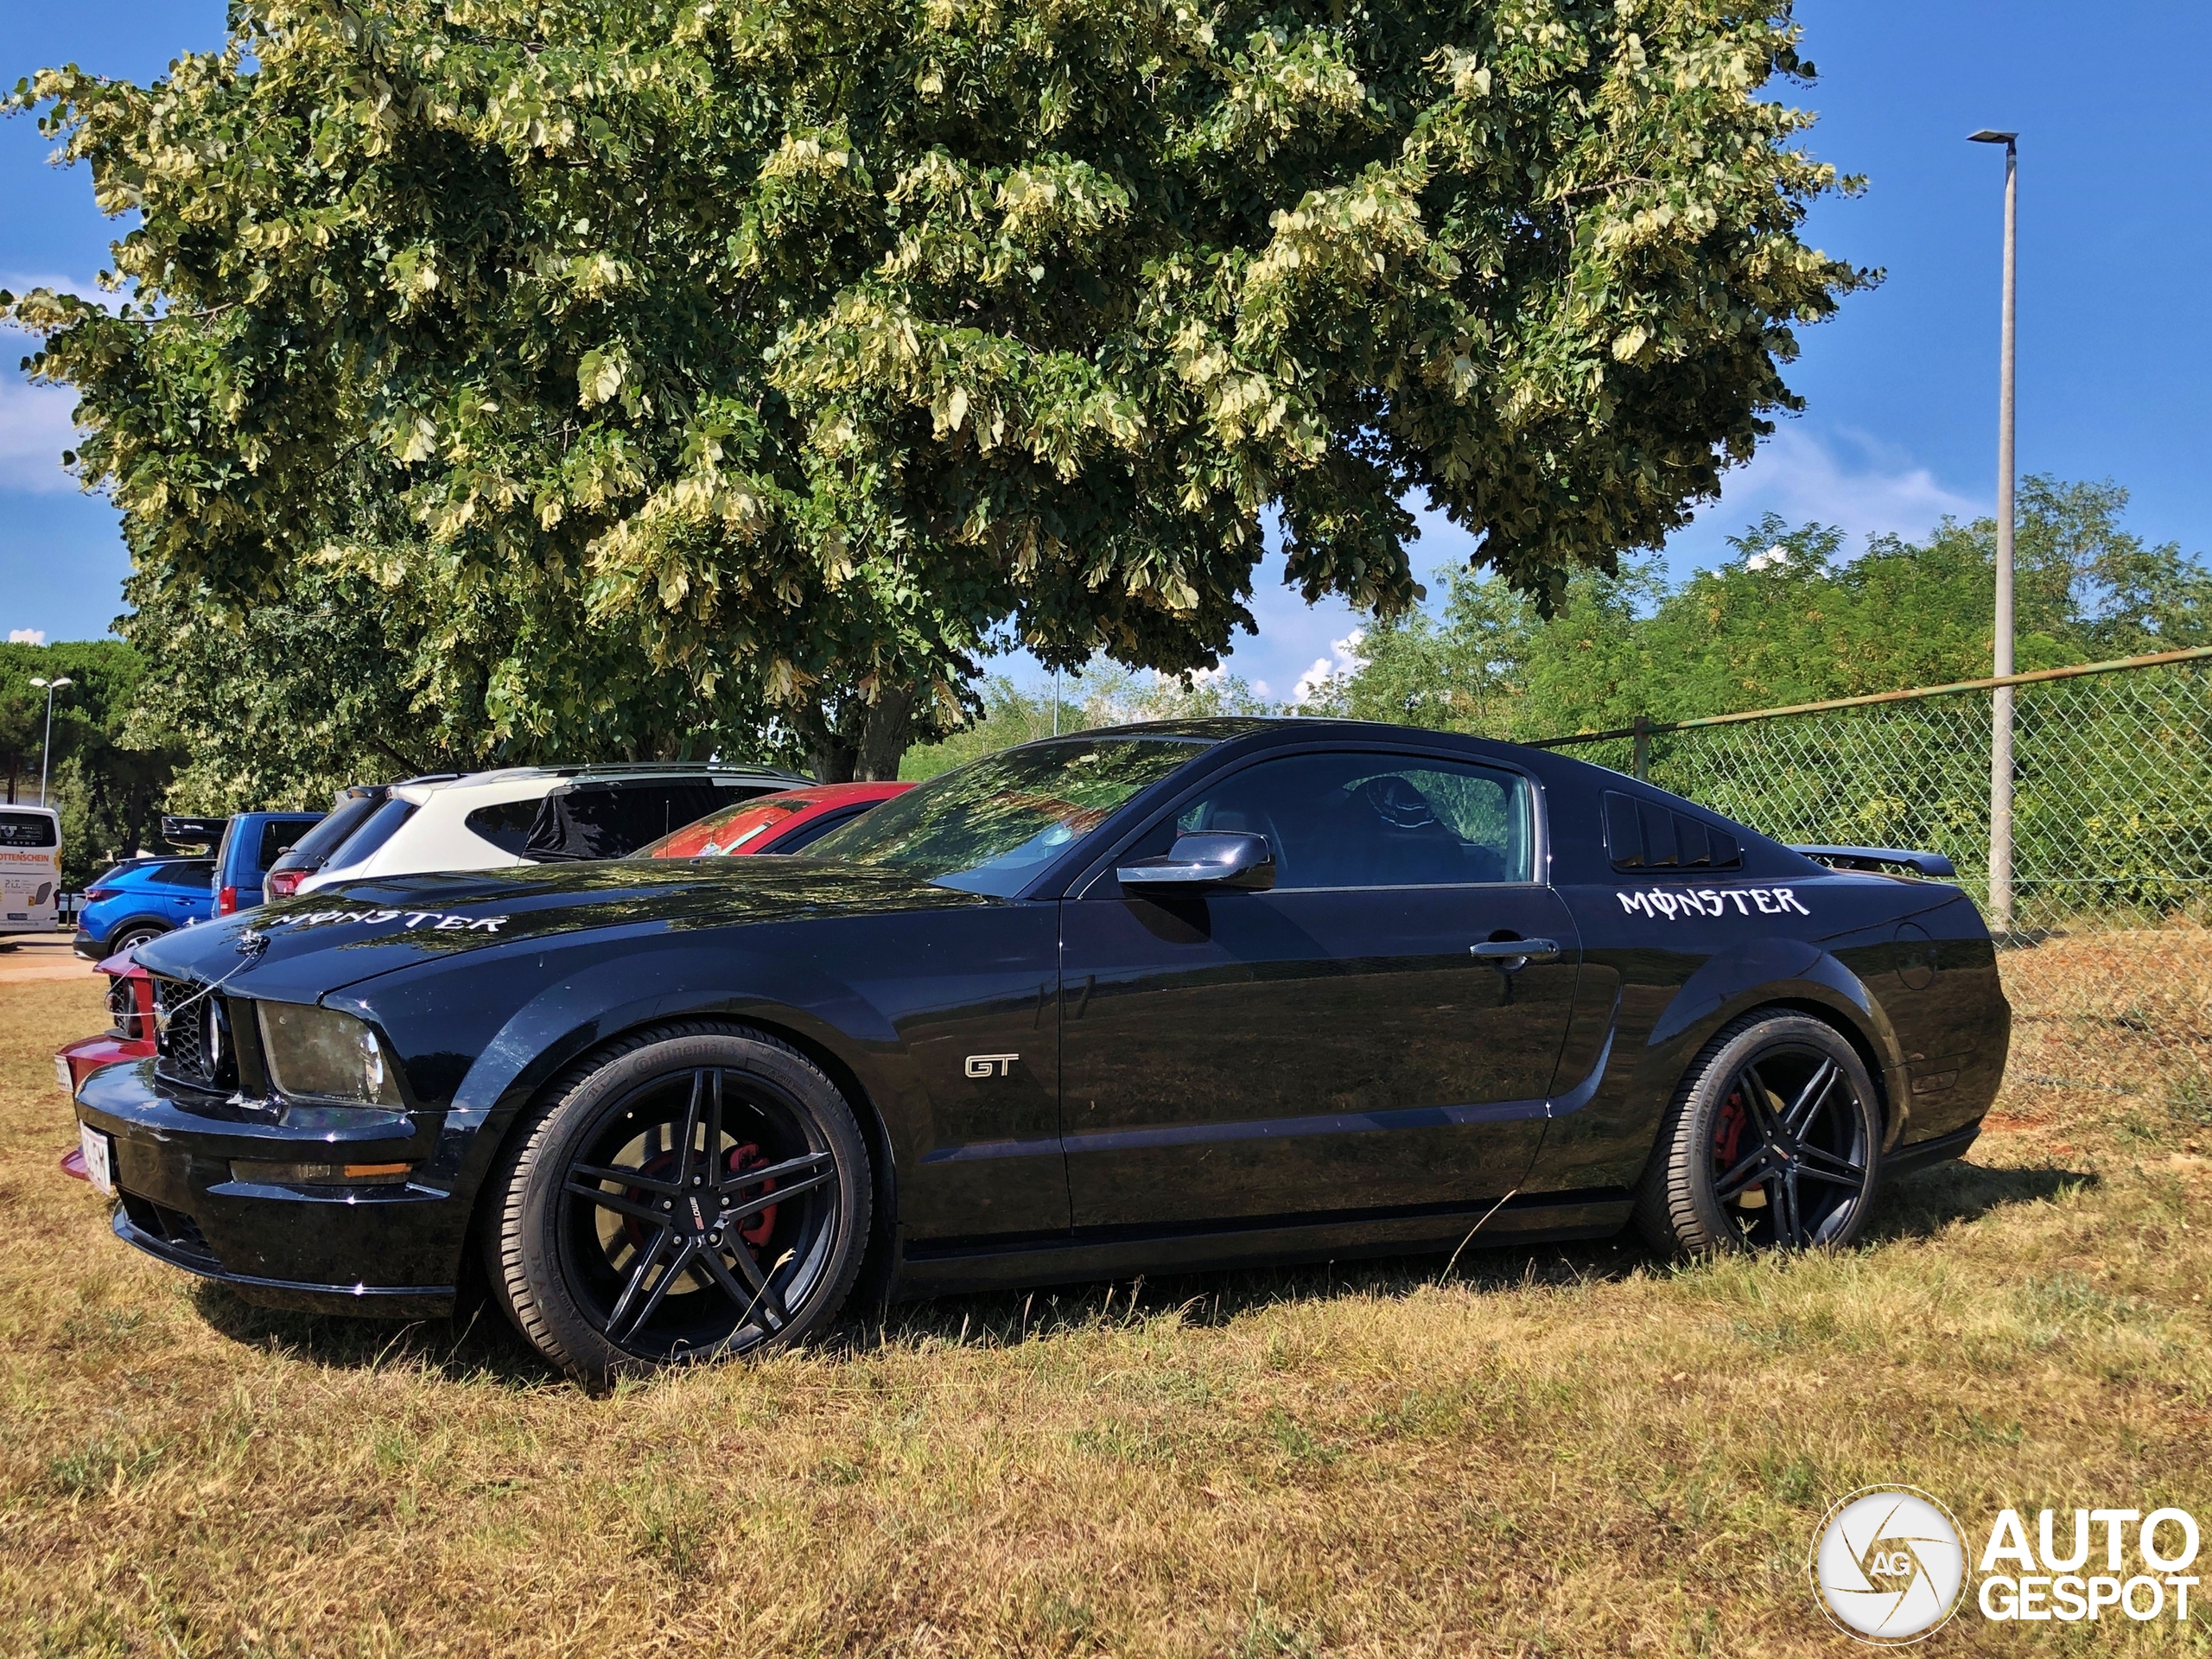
(1162, 997)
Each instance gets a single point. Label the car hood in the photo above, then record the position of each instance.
(296, 949)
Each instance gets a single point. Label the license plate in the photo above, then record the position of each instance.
(61, 1077)
(99, 1163)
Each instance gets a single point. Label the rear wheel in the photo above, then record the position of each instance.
(1773, 1142)
(694, 1194)
(130, 937)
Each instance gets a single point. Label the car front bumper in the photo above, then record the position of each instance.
(385, 1251)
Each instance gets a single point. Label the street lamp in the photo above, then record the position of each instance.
(2000, 736)
(45, 752)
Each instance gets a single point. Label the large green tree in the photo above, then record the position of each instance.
(747, 365)
(111, 767)
(1789, 619)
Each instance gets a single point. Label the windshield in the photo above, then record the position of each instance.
(325, 837)
(990, 826)
(724, 832)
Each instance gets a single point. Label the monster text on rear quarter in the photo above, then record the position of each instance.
(1165, 997)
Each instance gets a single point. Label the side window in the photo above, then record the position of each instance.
(279, 837)
(197, 876)
(1376, 820)
(506, 826)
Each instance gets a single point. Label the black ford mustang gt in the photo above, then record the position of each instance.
(1162, 997)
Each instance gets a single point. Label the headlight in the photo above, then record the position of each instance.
(313, 1051)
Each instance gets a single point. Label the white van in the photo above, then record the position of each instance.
(30, 869)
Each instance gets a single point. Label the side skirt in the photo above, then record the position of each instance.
(950, 1267)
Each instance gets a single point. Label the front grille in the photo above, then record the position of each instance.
(192, 1035)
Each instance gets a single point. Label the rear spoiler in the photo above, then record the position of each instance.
(1934, 866)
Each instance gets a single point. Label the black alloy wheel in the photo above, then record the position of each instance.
(1773, 1142)
(695, 1194)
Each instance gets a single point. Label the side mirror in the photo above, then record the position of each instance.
(1232, 859)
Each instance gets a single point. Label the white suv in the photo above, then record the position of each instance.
(536, 815)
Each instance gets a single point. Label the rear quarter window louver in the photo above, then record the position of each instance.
(1645, 835)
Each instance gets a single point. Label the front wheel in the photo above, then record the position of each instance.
(697, 1193)
(1773, 1142)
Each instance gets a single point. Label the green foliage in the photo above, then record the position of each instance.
(676, 369)
(1765, 632)
(1098, 696)
(110, 771)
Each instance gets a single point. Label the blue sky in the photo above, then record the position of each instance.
(2115, 344)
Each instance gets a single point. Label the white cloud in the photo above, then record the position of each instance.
(1846, 478)
(26, 636)
(1343, 661)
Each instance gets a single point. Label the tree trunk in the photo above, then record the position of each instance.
(883, 741)
(835, 756)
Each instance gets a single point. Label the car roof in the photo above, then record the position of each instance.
(506, 778)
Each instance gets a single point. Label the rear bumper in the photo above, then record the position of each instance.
(383, 1250)
(88, 945)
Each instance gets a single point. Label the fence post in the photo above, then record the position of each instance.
(1639, 764)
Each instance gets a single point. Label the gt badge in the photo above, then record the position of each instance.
(991, 1065)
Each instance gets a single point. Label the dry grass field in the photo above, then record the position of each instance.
(1549, 1450)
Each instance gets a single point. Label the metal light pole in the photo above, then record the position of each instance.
(2000, 736)
(45, 752)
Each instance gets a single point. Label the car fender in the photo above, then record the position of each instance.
(1763, 972)
(593, 990)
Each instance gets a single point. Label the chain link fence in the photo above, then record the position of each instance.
(2109, 961)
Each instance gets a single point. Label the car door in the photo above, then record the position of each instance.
(1346, 1043)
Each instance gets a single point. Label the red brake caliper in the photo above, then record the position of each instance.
(757, 1231)
(1728, 1131)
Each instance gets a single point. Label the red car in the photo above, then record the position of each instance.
(786, 822)
(131, 1004)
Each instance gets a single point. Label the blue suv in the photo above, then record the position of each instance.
(142, 899)
(252, 843)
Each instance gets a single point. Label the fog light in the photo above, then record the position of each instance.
(322, 1174)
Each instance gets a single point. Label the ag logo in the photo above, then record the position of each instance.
(1888, 1566)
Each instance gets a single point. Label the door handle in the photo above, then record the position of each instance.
(1511, 955)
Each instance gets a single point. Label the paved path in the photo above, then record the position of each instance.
(43, 958)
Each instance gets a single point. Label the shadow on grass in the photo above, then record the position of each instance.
(1924, 1202)
(481, 1348)
(1220, 1297)
(484, 1349)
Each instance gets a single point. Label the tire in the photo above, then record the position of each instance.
(1772, 1142)
(698, 1192)
(135, 934)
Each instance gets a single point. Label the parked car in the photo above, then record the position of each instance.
(30, 869)
(1165, 997)
(252, 843)
(312, 850)
(787, 822)
(143, 899)
(130, 1036)
(534, 815)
